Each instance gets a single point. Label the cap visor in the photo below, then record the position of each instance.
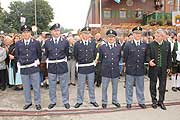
(137, 31)
(85, 32)
(111, 35)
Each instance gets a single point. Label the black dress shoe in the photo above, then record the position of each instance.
(38, 107)
(154, 105)
(128, 106)
(117, 105)
(51, 106)
(162, 106)
(46, 86)
(73, 84)
(174, 89)
(94, 104)
(143, 106)
(77, 105)
(98, 85)
(178, 88)
(18, 89)
(67, 106)
(3, 88)
(27, 106)
(104, 106)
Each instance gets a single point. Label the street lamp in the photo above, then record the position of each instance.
(22, 20)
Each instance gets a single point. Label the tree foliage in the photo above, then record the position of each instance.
(20, 9)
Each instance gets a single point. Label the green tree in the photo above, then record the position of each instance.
(20, 9)
(44, 14)
(1, 18)
(65, 30)
(13, 17)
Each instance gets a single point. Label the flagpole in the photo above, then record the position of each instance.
(100, 12)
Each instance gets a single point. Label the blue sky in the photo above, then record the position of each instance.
(69, 13)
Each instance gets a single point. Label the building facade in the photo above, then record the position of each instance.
(111, 12)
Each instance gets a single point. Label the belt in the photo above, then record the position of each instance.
(56, 61)
(87, 64)
(35, 64)
(28, 65)
(124, 63)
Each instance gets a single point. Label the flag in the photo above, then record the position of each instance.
(117, 1)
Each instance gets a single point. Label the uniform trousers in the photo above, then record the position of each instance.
(63, 84)
(27, 80)
(139, 81)
(81, 84)
(105, 83)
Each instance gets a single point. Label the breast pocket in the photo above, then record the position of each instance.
(50, 50)
(132, 51)
(62, 49)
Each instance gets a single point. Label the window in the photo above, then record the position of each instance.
(139, 15)
(177, 5)
(123, 14)
(107, 14)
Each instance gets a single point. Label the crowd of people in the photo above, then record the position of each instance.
(27, 62)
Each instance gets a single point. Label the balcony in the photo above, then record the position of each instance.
(158, 18)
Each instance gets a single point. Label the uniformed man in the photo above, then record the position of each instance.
(85, 54)
(56, 52)
(134, 57)
(109, 55)
(159, 57)
(28, 55)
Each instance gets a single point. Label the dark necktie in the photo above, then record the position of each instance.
(111, 46)
(55, 41)
(86, 43)
(27, 43)
(138, 44)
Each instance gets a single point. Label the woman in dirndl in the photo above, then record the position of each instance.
(14, 75)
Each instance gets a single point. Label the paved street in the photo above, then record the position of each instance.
(12, 103)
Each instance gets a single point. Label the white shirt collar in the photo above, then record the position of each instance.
(113, 44)
(85, 41)
(27, 41)
(136, 42)
(56, 39)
